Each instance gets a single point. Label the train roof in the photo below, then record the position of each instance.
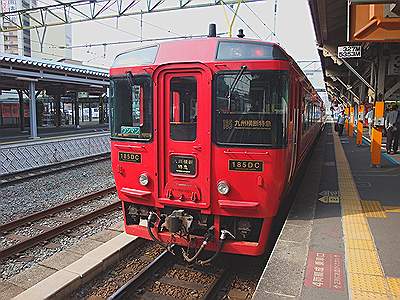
(205, 50)
(200, 50)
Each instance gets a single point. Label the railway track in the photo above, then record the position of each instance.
(12, 178)
(166, 278)
(50, 223)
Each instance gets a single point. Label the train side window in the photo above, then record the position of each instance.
(183, 109)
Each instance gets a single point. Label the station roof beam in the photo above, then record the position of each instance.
(87, 10)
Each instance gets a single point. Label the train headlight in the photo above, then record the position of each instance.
(144, 179)
(223, 187)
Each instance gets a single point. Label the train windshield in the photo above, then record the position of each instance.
(131, 107)
(251, 108)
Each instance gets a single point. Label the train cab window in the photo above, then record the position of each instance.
(131, 107)
(251, 108)
(183, 109)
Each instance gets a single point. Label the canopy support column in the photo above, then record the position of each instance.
(32, 109)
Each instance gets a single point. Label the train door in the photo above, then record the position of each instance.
(185, 135)
(295, 128)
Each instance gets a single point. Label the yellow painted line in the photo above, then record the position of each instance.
(373, 209)
(394, 286)
(364, 270)
(392, 209)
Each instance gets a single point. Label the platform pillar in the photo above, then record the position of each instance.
(76, 111)
(360, 124)
(32, 109)
(72, 113)
(21, 111)
(57, 105)
(351, 124)
(90, 112)
(101, 110)
(376, 140)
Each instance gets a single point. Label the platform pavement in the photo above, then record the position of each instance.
(345, 250)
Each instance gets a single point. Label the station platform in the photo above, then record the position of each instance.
(341, 239)
(13, 135)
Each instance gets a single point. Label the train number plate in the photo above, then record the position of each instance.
(183, 165)
(130, 157)
(246, 165)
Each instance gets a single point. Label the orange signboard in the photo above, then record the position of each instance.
(373, 23)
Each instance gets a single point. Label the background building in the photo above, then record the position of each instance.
(41, 43)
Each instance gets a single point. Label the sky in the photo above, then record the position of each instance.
(294, 29)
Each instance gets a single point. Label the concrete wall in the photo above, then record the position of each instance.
(31, 154)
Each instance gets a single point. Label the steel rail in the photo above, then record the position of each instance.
(42, 214)
(216, 286)
(52, 232)
(10, 178)
(125, 292)
(134, 287)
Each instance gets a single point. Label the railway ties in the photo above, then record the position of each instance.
(13, 233)
(166, 278)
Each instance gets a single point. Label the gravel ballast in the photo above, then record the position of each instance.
(12, 266)
(37, 194)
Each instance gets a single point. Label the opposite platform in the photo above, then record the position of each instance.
(341, 237)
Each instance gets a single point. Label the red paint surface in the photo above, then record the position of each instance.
(324, 270)
(256, 194)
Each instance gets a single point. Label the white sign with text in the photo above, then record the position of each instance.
(349, 51)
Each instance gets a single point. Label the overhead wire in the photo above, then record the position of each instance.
(262, 22)
(139, 41)
(114, 28)
(35, 51)
(98, 22)
(244, 22)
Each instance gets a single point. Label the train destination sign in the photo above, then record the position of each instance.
(183, 165)
(130, 157)
(246, 165)
(130, 130)
(349, 51)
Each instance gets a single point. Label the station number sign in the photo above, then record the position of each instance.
(349, 51)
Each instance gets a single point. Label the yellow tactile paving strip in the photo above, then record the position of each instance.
(365, 275)
(373, 209)
(394, 286)
(392, 209)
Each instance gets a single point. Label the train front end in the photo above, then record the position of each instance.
(199, 142)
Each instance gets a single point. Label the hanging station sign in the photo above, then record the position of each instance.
(349, 51)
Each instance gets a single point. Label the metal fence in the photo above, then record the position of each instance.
(27, 155)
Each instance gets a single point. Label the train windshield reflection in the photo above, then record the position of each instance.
(253, 110)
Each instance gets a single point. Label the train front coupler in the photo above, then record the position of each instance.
(180, 223)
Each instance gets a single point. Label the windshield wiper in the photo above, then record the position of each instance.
(234, 84)
(129, 76)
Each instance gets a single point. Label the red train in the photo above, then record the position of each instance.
(207, 135)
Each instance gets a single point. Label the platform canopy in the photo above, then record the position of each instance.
(31, 75)
(17, 71)
(354, 78)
